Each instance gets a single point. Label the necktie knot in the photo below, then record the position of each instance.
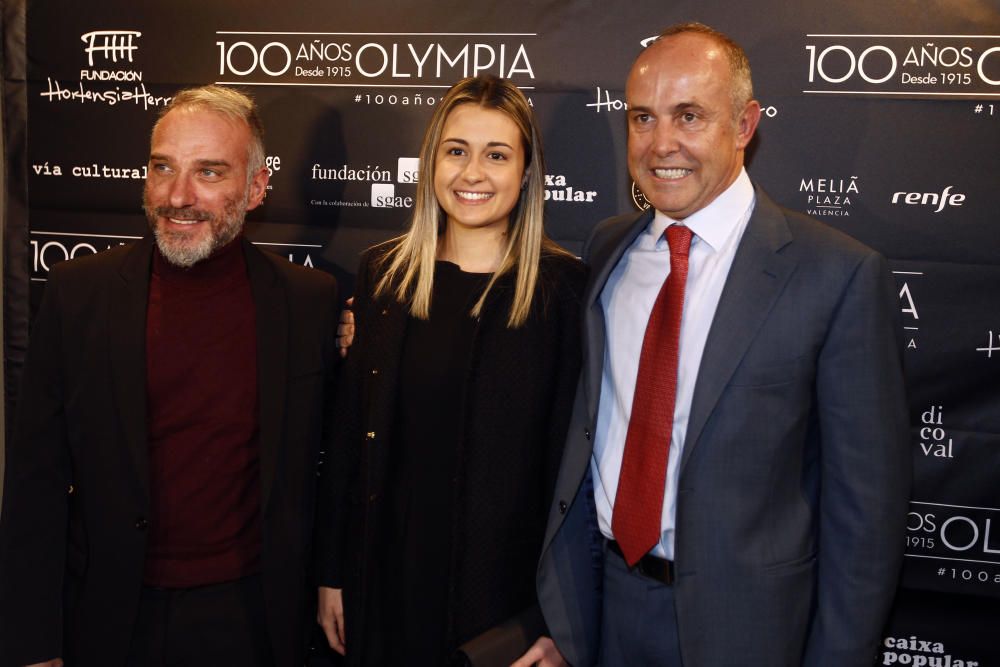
(679, 239)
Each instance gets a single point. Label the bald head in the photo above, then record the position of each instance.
(740, 81)
(686, 132)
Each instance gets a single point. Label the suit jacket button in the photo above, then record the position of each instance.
(141, 523)
(563, 506)
(374, 371)
(586, 433)
(71, 489)
(370, 435)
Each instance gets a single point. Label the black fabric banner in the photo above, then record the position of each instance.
(881, 119)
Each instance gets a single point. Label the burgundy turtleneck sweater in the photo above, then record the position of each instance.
(201, 396)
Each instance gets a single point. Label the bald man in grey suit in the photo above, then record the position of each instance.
(788, 472)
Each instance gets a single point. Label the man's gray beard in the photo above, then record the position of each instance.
(179, 251)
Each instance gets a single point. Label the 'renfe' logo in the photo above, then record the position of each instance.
(936, 199)
(114, 45)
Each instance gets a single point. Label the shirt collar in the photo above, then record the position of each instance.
(715, 223)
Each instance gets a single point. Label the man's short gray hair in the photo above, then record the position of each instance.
(230, 103)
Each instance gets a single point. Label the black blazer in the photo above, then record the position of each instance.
(519, 392)
(72, 544)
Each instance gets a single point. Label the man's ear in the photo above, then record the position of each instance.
(258, 188)
(747, 122)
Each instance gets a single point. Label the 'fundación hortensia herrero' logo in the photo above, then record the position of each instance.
(109, 77)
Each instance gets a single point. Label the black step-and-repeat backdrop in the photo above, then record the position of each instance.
(881, 119)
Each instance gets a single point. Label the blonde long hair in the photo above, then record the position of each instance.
(408, 268)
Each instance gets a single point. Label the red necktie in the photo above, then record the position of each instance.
(635, 520)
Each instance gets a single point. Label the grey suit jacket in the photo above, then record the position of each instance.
(795, 472)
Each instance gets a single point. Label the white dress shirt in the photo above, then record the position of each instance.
(627, 299)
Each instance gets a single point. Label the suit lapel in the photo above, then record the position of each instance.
(756, 279)
(603, 258)
(129, 295)
(272, 318)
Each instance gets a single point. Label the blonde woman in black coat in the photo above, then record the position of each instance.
(455, 399)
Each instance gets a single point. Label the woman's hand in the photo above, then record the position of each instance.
(542, 653)
(345, 328)
(330, 616)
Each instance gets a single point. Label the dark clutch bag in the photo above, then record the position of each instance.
(502, 644)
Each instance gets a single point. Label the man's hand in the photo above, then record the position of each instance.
(57, 662)
(542, 653)
(345, 328)
(330, 616)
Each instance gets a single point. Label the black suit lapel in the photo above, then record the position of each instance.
(129, 295)
(756, 279)
(271, 306)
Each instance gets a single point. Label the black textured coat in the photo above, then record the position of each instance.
(519, 391)
(73, 535)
